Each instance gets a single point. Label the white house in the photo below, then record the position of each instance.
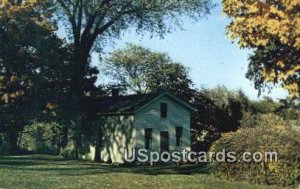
(156, 122)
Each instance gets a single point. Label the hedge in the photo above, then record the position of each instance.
(272, 137)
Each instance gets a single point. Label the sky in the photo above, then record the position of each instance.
(203, 47)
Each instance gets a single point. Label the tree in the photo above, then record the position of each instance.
(289, 109)
(90, 19)
(275, 65)
(230, 105)
(271, 27)
(92, 23)
(34, 67)
(142, 71)
(264, 106)
(96, 21)
(219, 110)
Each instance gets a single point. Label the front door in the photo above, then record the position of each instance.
(164, 141)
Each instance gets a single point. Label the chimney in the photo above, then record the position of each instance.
(115, 92)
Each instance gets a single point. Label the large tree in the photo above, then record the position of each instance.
(94, 22)
(271, 27)
(219, 110)
(34, 66)
(141, 70)
(275, 65)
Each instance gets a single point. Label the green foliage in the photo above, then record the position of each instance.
(290, 114)
(271, 28)
(34, 69)
(94, 23)
(45, 138)
(261, 120)
(219, 110)
(264, 106)
(264, 133)
(230, 105)
(289, 109)
(142, 70)
(108, 19)
(269, 61)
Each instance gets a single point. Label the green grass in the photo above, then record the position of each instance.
(42, 172)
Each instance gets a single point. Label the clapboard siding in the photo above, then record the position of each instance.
(125, 132)
(118, 136)
(149, 117)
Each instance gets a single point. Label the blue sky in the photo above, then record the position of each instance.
(203, 47)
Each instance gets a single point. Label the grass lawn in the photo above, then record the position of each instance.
(40, 171)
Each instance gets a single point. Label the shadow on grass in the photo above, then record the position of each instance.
(52, 164)
(29, 160)
(33, 157)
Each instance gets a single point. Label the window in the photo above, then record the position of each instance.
(163, 110)
(164, 141)
(148, 138)
(178, 136)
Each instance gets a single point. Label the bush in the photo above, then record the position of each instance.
(261, 120)
(270, 134)
(41, 138)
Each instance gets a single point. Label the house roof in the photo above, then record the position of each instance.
(131, 104)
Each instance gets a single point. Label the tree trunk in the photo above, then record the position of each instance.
(12, 137)
(98, 145)
(78, 111)
(81, 57)
(77, 135)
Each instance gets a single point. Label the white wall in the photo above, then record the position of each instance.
(118, 135)
(123, 132)
(149, 117)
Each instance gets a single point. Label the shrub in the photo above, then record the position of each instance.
(261, 120)
(271, 136)
(41, 138)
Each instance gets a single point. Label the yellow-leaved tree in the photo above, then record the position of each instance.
(272, 28)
